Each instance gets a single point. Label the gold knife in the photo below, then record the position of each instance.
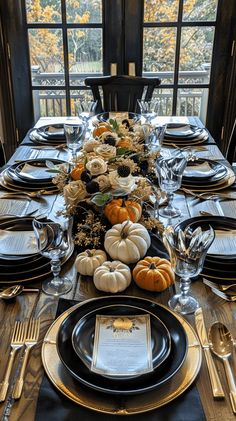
(217, 389)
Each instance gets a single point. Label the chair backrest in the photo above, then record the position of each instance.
(231, 148)
(120, 93)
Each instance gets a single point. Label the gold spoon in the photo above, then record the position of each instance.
(14, 290)
(221, 344)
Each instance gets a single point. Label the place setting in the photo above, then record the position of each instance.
(204, 175)
(21, 258)
(83, 372)
(48, 135)
(33, 177)
(184, 135)
(219, 266)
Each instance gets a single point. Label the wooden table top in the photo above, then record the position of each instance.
(38, 304)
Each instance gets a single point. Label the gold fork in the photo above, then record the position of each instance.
(17, 342)
(31, 340)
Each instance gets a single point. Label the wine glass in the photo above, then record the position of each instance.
(154, 139)
(187, 252)
(54, 239)
(86, 109)
(169, 173)
(149, 109)
(74, 131)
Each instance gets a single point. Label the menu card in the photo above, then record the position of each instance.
(122, 345)
(35, 172)
(18, 242)
(119, 116)
(224, 242)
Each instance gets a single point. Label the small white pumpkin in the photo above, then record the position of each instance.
(89, 260)
(127, 242)
(112, 277)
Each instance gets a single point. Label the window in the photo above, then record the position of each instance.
(178, 39)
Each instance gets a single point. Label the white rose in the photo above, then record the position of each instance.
(128, 184)
(89, 145)
(106, 151)
(74, 192)
(103, 181)
(96, 166)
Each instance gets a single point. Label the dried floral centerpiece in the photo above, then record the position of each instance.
(108, 180)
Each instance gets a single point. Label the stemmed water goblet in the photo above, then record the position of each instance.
(154, 138)
(187, 252)
(85, 110)
(149, 109)
(54, 241)
(74, 132)
(169, 172)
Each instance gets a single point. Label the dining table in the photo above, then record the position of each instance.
(37, 389)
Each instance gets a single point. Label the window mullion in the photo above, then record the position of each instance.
(177, 57)
(66, 56)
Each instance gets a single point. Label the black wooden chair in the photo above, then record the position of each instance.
(231, 148)
(120, 93)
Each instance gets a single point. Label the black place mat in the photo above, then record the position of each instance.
(53, 406)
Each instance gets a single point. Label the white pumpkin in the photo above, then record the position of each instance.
(112, 276)
(127, 242)
(89, 260)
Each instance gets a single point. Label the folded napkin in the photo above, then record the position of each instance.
(53, 406)
(203, 170)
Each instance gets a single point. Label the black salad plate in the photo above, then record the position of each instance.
(217, 223)
(52, 131)
(204, 171)
(133, 385)
(84, 332)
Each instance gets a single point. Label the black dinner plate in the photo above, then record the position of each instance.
(217, 222)
(183, 131)
(84, 332)
(218, 173)
(135, 385)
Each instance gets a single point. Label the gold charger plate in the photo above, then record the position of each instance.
(130, 404)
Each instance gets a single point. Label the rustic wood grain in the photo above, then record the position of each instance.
(35, 305)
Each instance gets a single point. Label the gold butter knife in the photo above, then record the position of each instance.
(217, 389)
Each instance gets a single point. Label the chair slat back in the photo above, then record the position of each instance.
(120, 93)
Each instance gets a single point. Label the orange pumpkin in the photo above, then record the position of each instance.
(119, 210)
(76, 172)
(153, 274)
(100, 130)
(124, 143)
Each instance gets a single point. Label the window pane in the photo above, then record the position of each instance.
(47, 67)
(159, 51)
(165, 99)
(49, 103)
(84, 11)
(161, 10)
(199, 10)
(192, 102)
(195, 54)
(41, 11)
(85, 52)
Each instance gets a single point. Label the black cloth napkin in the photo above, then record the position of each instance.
(53, 406)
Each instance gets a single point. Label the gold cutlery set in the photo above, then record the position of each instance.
(219, 342)
(25, 334)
